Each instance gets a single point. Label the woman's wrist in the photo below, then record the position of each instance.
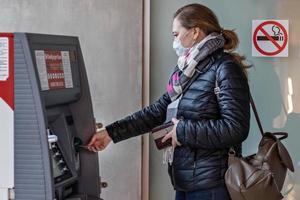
(99, 130)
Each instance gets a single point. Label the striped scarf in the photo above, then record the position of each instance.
(186, 65)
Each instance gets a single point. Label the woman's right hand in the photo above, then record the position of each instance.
(99, 141)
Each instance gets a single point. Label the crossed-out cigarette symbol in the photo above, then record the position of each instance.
(278, 36)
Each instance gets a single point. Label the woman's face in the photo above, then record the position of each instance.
(187, 37)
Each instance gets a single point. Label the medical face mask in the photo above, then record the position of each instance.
(179, 49)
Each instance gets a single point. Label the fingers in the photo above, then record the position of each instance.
(94, 145)
(99, 141)
(93, 149)
(96, 148)
(93, 140)
(175, 121)
(174, 144)
(169, 135)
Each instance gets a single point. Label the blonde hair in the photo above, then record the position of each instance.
(197, 15)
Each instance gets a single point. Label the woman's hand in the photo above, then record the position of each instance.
(172, 134)
(99, 141)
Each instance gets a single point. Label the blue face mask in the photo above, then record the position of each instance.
(179, 49)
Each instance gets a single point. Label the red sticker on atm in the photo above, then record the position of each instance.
(6, 69)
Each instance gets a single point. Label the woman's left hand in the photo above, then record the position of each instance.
(172, 134)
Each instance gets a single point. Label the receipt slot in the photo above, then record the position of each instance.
(53, 112)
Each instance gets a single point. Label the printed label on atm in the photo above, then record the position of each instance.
(54, 69)
(4, 59)
(6, 114)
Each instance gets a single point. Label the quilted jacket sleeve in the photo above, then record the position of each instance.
(232, 127)
(140, 122)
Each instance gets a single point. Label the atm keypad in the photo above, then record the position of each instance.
(61, 166)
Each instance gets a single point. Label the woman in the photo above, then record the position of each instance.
(212, 113)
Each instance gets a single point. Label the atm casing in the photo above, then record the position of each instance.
(65, 112)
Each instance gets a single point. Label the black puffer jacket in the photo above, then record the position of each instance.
(209, 125)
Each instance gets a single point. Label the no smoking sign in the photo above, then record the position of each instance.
(270, 38)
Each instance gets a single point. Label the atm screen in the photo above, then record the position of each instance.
(54, 68)
(58, 70)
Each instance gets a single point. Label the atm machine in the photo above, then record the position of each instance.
(53, 118)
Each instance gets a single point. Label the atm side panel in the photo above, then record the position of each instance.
(32, 163)
(84, 121)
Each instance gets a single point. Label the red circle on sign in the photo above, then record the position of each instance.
(280, 48)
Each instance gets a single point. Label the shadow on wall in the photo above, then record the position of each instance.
(288, 72)
(292, 183)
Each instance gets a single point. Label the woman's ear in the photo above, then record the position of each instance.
(198, 34)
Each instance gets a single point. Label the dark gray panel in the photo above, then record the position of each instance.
(32, 166)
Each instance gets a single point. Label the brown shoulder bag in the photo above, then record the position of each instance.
(261, 175)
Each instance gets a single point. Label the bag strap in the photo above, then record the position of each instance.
(278, 135)
(217, 90)
(256, 115)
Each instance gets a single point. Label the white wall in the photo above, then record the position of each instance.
(110, 32)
